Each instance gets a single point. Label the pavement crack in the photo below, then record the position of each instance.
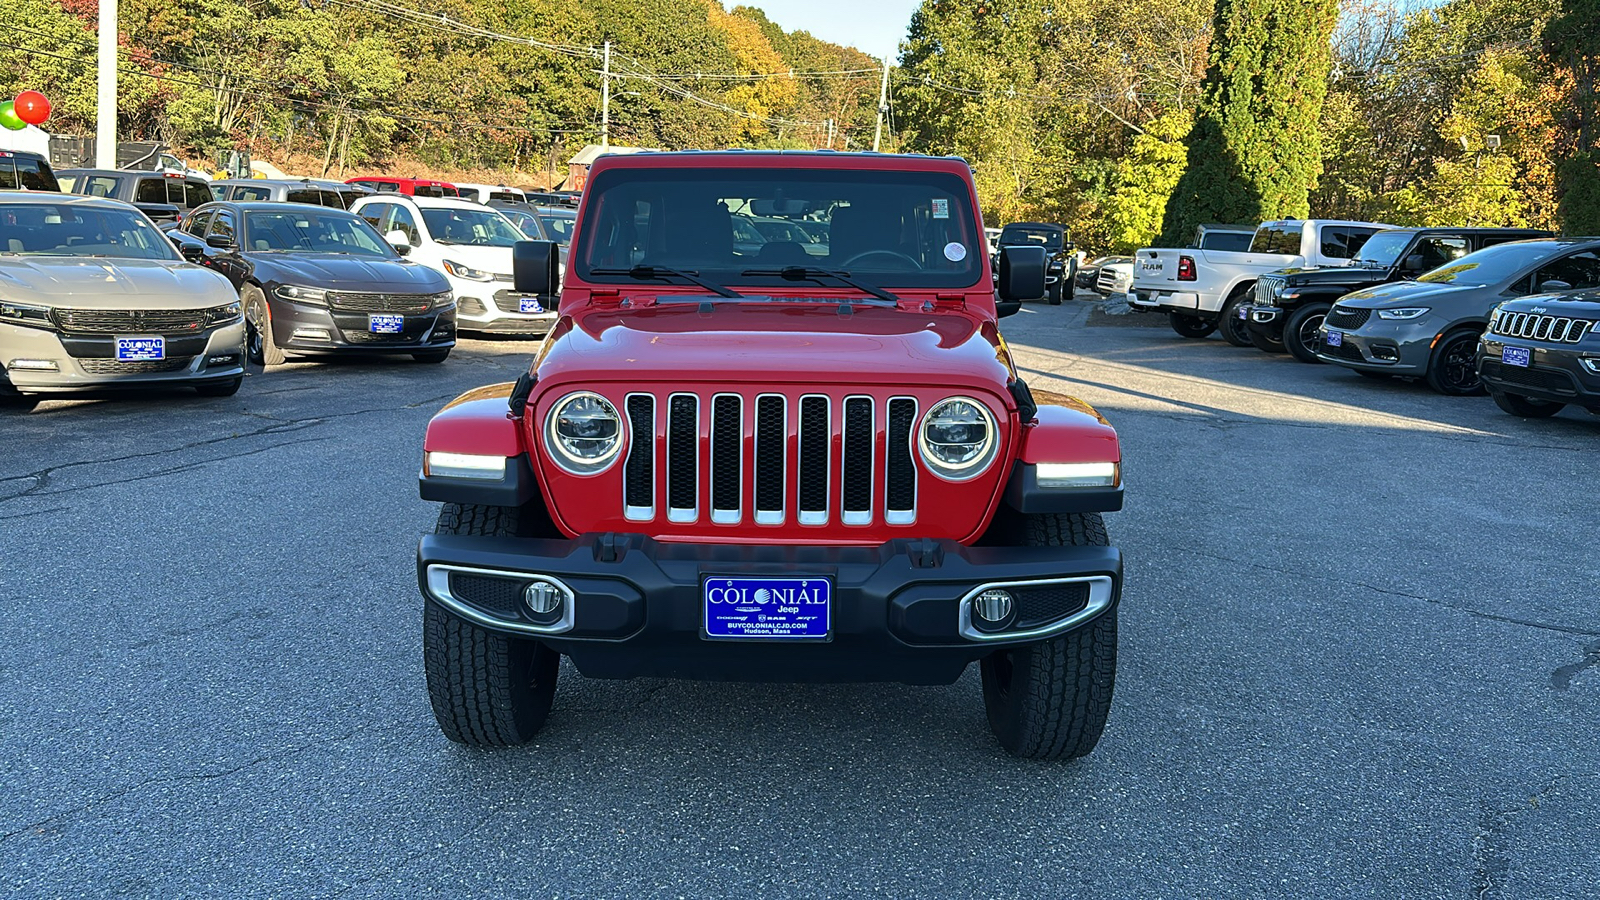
(435, 850)
(1561, 678)
(1490, 860)
(161, 473)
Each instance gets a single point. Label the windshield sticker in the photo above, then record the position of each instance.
(954, 252)
(941, 209)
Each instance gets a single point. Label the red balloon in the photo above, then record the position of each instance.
(32, 107)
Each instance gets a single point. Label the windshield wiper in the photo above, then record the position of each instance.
(662, 273)
(813, 273)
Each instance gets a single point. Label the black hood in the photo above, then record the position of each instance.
(1580, 305)
(1344, 276)
(344, 272)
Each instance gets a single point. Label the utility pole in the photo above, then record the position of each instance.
(830, 134)
(605, 100)
(883, 106)
(105, 144)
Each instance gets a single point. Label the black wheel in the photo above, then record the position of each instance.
(1235, 330)
(1190, 326)
(1452, 369)
(259, 345)
(1301, 336)
(1267, 338)
(1526, 407)
(487, 689)
(431, 356)
(1050, 700)
(220, 388)
(1054, 293)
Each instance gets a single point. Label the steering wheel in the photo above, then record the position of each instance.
(894, 253)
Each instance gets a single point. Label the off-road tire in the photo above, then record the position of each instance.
(1266, 341)
(1235, 330)
(1526, 407)
(487, 689)
(431, 356)
(261, 348)
(1050, 700)
(1303, 319)
(220, 388)
(1190, 326)
(1444, 365)
(1053, 294)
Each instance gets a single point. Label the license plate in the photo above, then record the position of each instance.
(386, 324)
(529, 305)
(1516, 356)
(1244, 312)
(768, 608)
(1334, 339)
(139, 349)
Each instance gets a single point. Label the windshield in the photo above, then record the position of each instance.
(50, 229)
(1384, 248)
(479, 227)
(1049, 238)
(1491, 265)
(558, 227)
(315, 233)
(894, 229)
(1277, 237)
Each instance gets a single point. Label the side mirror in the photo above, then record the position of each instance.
(192, 252)
(220, 241)
(533, 268)
(1020, 274)
(399, 240)
(1553, 286)
(1413, 263)
(1003, 308)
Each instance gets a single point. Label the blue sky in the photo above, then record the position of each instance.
(874, 26)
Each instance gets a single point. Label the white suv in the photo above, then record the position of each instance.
(471, 244)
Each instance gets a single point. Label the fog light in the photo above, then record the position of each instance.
(313, 334)
(36, 365)
(228, 360)
(542, 597)
(1386, 353)
(992, 607)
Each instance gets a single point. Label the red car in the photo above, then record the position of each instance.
(734, 461)
(414, 187)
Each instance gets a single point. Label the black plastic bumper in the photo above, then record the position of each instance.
(637, 609)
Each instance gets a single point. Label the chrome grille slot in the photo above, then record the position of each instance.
(1556, 329)
(683, 457)
(727, 445)
(131, 321)
(1267, 290)
(856, 475)
(900, 471)
(639, 472)
(771, 439)
(815, 436)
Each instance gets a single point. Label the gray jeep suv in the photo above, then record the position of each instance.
(1429, 328)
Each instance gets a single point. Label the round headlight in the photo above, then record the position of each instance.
(957, 438)
(583, 433)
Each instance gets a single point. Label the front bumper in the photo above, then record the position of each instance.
(87, 362)
(493, 307)
(1554, 374)
(1395, 347)
(901, 610)
(305, 327)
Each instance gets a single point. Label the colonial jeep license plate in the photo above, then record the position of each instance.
(1516, 356)
(768, 608)
(385, 324)
(529, 305)
(1334, 339)
(141, 348)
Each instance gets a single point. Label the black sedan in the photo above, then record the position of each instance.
(316, 280)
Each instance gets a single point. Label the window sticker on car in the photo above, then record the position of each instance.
(941, 209)
(955, 252)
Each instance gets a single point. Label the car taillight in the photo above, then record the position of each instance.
(1186, 268)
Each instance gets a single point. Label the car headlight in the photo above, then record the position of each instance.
(957, 439)
(223, 315)
(303, 294)
(583, 433)
(441, 300)
(467, 272)
(1409, 312)
(26, 314)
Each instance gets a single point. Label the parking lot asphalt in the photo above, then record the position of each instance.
(1360, 656)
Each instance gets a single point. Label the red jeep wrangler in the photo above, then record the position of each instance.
(807, 458)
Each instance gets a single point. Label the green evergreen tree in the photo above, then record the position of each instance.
(1255, 151)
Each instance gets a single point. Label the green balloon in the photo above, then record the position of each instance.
(9, 117)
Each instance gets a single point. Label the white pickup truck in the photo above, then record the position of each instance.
(1200, 289)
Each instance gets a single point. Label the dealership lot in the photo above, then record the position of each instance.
(1360, 651)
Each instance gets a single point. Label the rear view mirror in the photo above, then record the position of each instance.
(1414, 263)
(192, 252)
(1003, 308)
(533, 267)
(1553, 286)
(220, 241)
(1020, 275)
(399, 240)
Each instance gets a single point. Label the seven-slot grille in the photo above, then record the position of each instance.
(746, 451)
(1344, 317)
(1267, 290)
(354, 301)
(130, 321)
(1556, 329)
